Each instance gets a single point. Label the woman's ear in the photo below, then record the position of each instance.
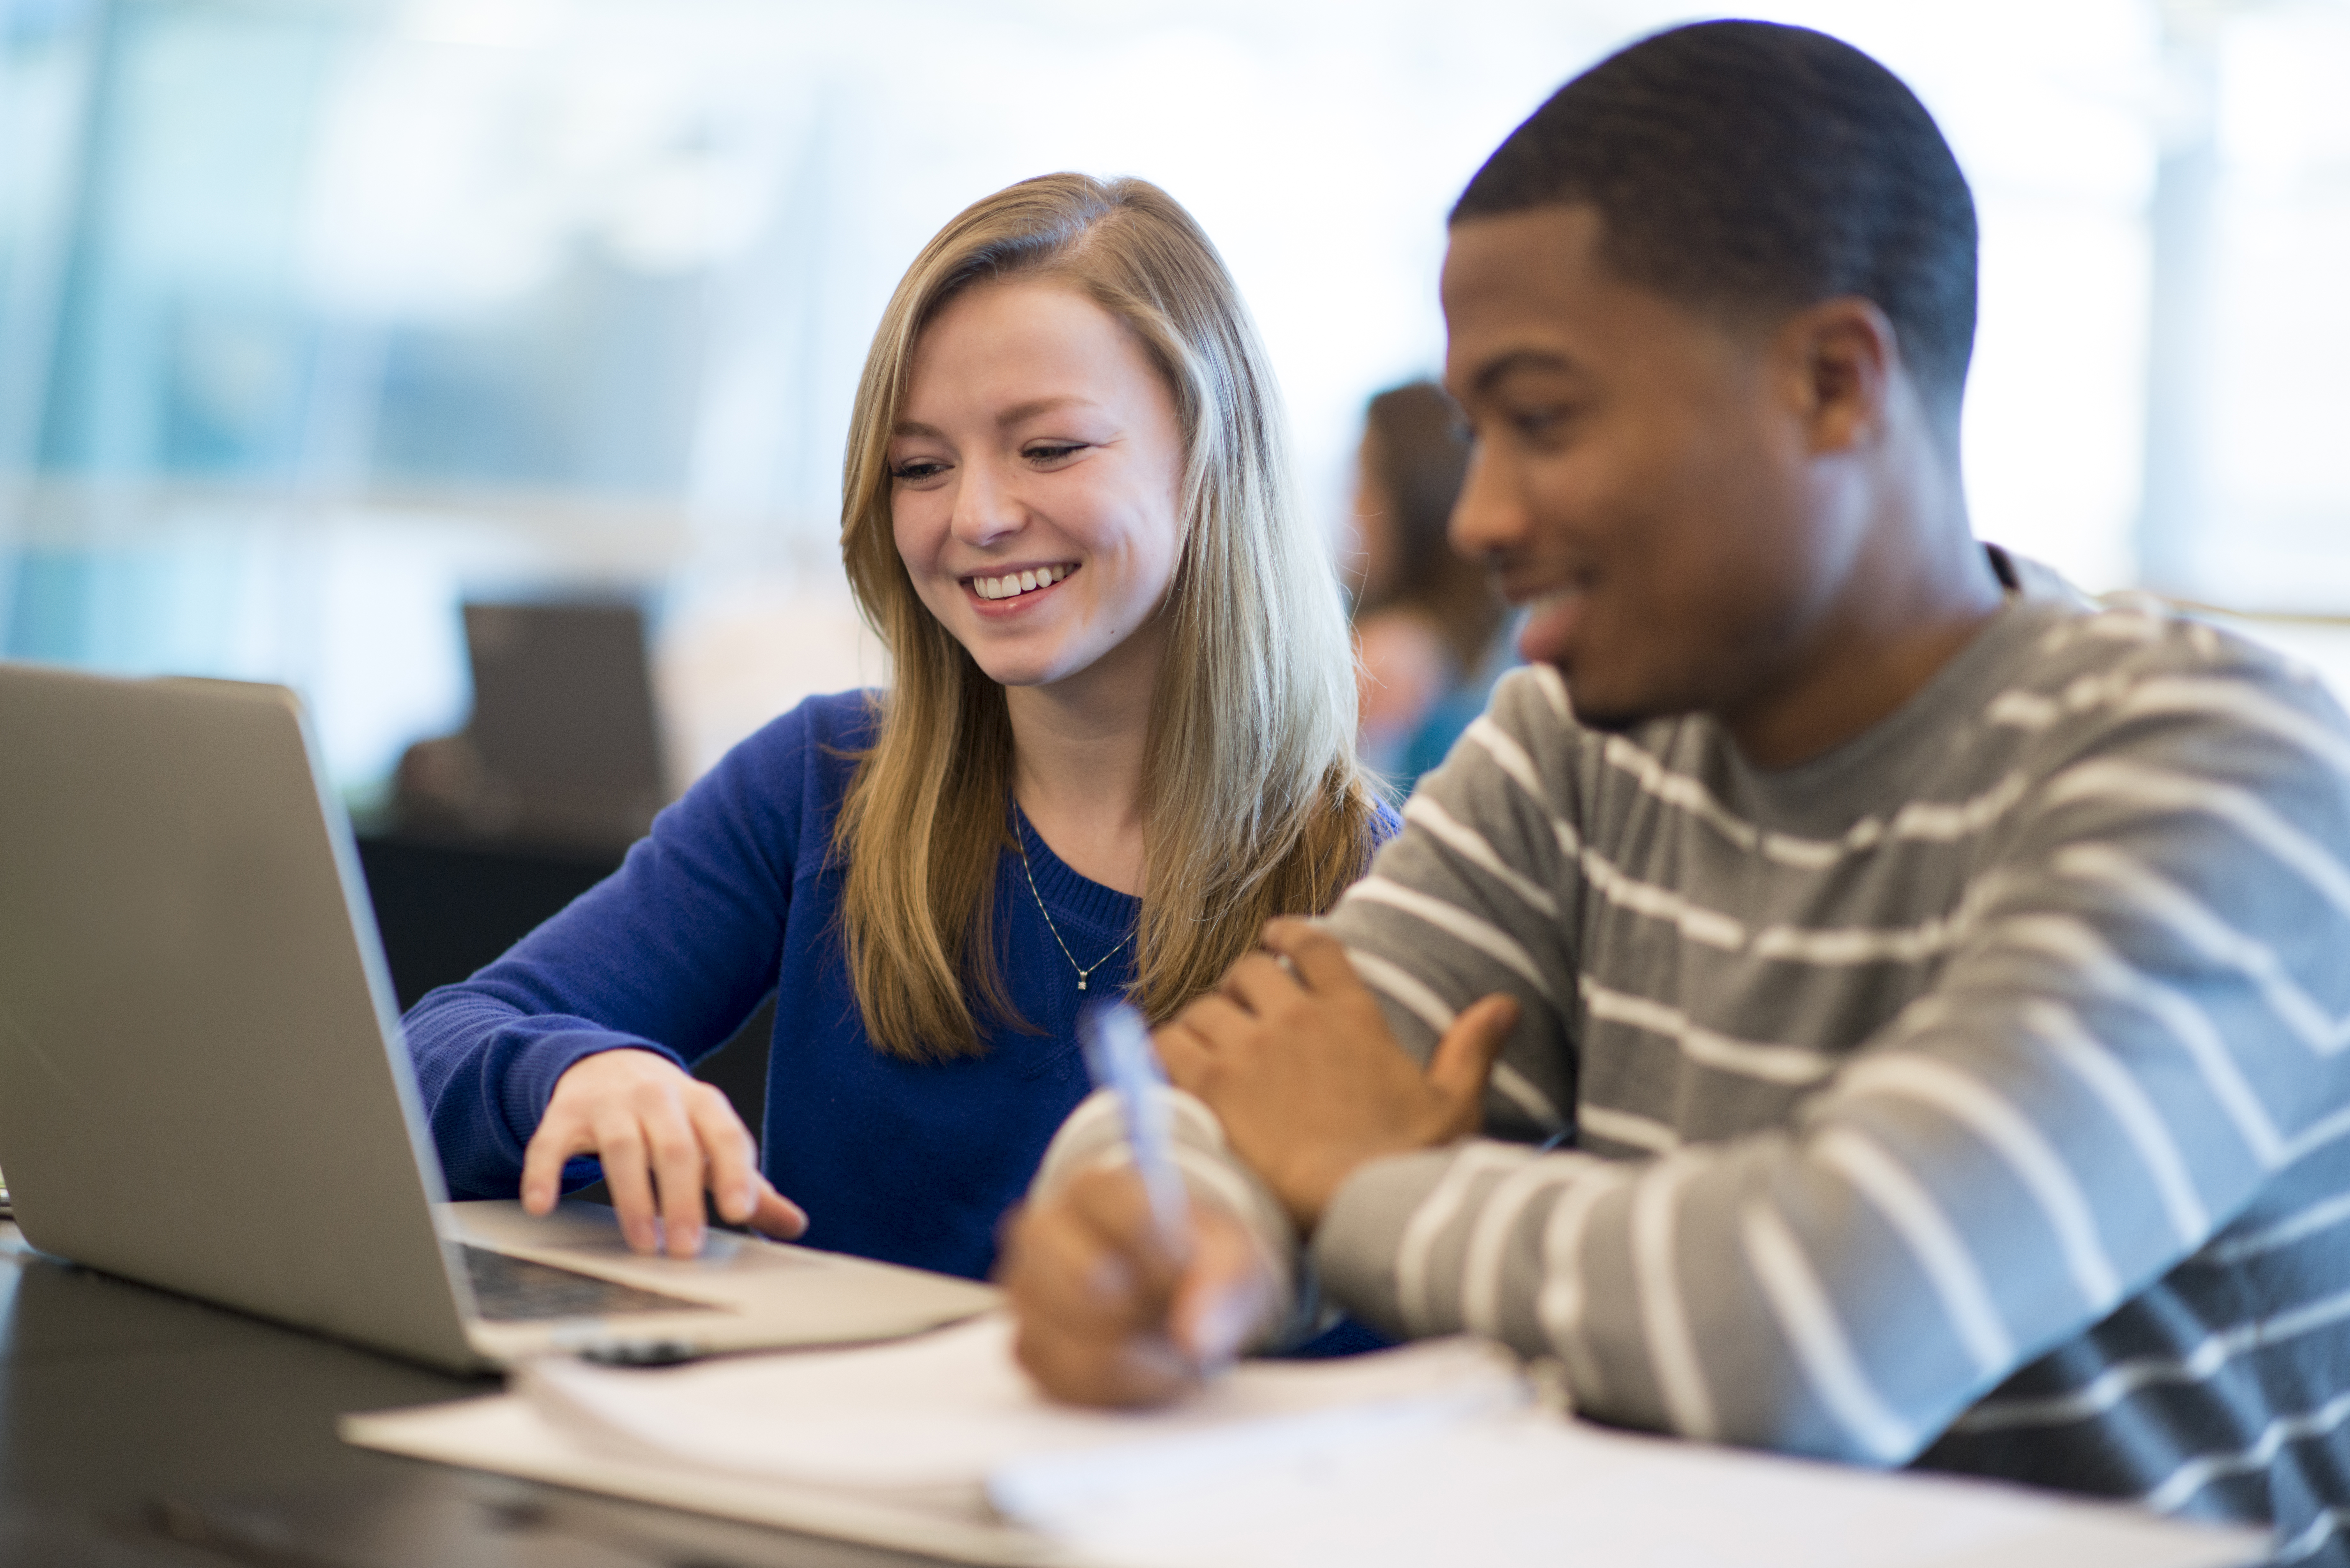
(1845, 359)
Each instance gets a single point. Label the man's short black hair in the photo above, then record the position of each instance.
(1748, 167)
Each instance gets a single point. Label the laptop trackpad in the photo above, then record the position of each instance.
(721, 1251)
(507, 1289)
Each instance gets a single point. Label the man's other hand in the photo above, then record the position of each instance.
(1298, 1064)
(663, 1137)
(1109, 1312)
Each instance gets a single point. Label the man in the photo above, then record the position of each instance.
(1937, 985)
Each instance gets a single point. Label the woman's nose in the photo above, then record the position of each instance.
(985, 508)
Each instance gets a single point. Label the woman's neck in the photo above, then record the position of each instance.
(1077, 750)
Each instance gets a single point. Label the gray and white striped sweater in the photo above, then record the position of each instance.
(1974, 1095)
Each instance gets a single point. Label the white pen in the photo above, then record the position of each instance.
(1118, 1054)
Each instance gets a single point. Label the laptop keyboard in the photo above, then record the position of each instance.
(507, 1289)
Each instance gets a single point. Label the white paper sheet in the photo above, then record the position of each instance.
(1426, 1454)
(932, 1419)
(1533, 1488)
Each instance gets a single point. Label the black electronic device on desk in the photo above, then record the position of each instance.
(563, 748)
(556, 772)
(495, 828)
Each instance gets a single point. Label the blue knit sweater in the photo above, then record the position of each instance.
(730, 897)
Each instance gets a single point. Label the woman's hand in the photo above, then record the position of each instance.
(662, 1138)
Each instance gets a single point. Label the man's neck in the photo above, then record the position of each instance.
(1919, 595)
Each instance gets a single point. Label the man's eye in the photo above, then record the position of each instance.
(1545, 421)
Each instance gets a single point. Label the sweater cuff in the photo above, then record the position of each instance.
(1095, 1135)
(527, 1082)
(1359, 1244)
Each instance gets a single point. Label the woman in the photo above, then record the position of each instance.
(1426, 623)
(1118, 740)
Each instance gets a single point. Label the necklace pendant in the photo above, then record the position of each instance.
(1020, 842)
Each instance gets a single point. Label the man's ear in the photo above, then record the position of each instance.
(1844, 359)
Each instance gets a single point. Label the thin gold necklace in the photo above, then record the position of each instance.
(1020, 842)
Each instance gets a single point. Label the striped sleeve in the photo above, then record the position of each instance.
(1094, 1136)
(1479, 894)
(2136, 1018)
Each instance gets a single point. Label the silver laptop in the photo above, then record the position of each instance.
(203, 1083)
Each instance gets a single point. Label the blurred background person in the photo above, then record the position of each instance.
(1428, 626)
(317, 322)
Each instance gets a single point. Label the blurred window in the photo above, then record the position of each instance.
(315, 319)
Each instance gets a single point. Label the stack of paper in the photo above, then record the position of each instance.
(1432, 1453)
(947, 1423)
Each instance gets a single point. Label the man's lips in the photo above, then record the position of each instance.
(1551, 620)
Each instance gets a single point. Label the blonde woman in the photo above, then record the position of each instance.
(1118, 740)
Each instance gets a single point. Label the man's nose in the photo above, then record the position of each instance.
(1490, 514)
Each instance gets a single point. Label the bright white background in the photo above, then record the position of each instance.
(761, 171)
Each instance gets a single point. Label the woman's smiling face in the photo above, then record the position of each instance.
(1036, 474)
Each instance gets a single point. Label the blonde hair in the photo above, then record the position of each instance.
(1254, 805)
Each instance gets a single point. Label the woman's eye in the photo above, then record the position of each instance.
(916, 469)
(1053, 452)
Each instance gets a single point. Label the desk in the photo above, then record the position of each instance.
(133, 1422)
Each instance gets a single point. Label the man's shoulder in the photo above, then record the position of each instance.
(2134, 708)
(2134, 656)
(2069, 634)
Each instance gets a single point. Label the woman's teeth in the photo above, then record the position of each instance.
(1013, 584)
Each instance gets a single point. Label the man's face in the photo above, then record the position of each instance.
(1642, 476)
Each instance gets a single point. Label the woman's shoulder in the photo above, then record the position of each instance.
(823, 734)
(798, 763)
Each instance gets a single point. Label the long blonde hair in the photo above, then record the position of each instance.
(1254, 805)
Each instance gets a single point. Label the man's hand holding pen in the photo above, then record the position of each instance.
(1293, 1057)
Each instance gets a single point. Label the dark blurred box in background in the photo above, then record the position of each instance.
(497, 828)
(563, 747)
